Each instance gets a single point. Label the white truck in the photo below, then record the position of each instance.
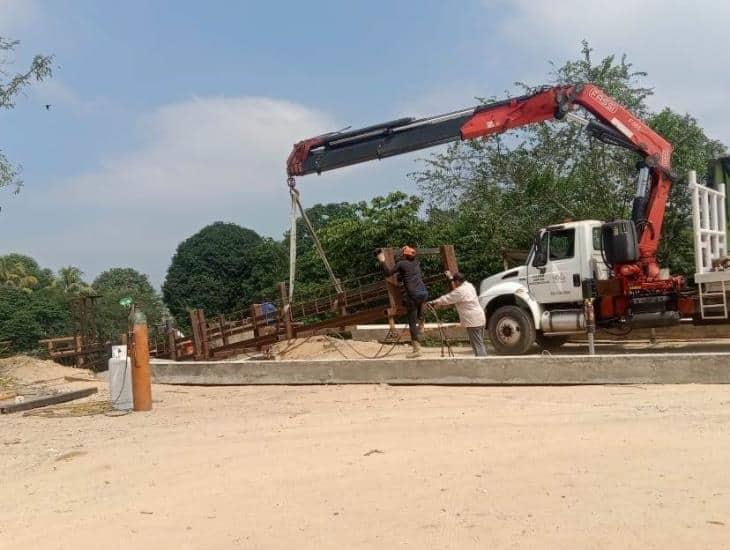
(543, 301)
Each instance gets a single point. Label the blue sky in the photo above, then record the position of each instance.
(167, 115)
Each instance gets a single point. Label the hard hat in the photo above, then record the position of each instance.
(408, 251)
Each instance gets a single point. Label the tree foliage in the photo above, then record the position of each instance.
(70, 279)
(26, 317)
(350, 232)
(11, 85)
(210, 270)
(123, 282)
(36, 304)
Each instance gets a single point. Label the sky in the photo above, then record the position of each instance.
(169, 115)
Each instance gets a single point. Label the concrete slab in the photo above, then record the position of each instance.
(659, 368)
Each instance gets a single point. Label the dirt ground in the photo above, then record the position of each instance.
(375, 467)
(331, 347)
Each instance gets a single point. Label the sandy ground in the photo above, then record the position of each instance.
(330, 347)
(376, 467)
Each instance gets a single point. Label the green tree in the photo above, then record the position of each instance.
(31, 267)
(349, 234)
(12, 84)
(26, 317)
(211, 270)
(124, 282)
(693, 150)
(14, 274)
(269, 266)
(70, 279)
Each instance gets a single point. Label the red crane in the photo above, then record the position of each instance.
(613, 124)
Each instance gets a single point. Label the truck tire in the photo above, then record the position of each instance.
(511, 330)
(550, 343)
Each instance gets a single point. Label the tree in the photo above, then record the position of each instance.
(350, 232)
(26, 317)
(124, 282)
(30, 266)
(490, 194)
(10, 87)
(693, 150)
(212, 270)
(70, 280)
(269, 266)
(14, 274)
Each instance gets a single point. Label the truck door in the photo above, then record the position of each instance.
(554, 270)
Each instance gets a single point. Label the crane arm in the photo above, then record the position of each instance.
(613, 124)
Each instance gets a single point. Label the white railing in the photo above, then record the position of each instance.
(708, 220)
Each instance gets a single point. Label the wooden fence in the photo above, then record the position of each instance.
(364, 300)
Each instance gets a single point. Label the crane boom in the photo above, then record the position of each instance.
(613, 124)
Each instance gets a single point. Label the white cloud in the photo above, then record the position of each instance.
(204, 151)
(682, 45)
(198, 161)
(17, 15)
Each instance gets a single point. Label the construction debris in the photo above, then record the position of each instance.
(330, 347)
(26, 404)
(70, 410)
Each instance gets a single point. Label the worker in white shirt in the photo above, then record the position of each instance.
(464, 298)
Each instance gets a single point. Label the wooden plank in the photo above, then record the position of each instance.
(203, 324)
(285, 312)
(90, 350)
(171, 344)
(222, 325)
(395, 299)
(195, 329)
(69, 339)
(47, 400)
(7, 395)
(448, 260)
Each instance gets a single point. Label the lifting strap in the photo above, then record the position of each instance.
(296, 207)
(292, 243)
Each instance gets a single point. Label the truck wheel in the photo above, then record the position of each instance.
(550, 343)
(511, 330)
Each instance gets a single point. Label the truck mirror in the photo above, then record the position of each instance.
(540, 257)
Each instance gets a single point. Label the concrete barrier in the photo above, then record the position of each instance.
(659, 368)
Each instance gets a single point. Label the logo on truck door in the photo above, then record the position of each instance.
(542, 279)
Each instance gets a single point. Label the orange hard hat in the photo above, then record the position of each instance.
(408, 251)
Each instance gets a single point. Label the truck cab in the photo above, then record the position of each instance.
(542, 301)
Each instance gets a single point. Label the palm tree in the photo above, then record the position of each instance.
(15, 275)
(70, 279)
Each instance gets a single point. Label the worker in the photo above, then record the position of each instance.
(416, 293)
(269, 312)
(464, 297)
